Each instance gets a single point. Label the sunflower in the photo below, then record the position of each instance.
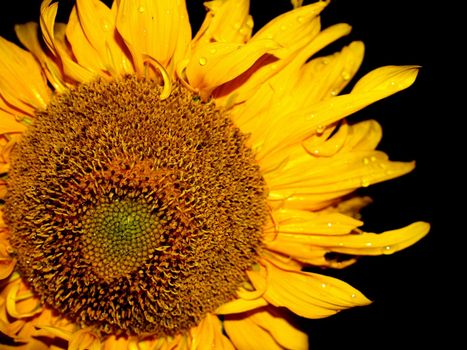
(167, 191)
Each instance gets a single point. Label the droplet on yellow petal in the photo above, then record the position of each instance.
(303, 292)
(225, 21)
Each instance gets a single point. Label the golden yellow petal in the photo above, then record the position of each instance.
(97, 25)
(84, 339)
(154, 28)
(9, 124)
(32, 344)
(307, 294)
(306, 222)
(292, 30)
(22, 80)
(225, 21)
(83, 51)
(21, 304)
(245, 334)
(275, 322)
(279, 95)
(330, 74)
(240, 305)
(54, 37)
(28, 36)
(208, 335)
(364, 136)
(214, 64)
(294, 127)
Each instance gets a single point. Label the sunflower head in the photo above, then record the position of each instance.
(161, 190)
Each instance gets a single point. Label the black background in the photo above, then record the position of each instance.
(407, 288)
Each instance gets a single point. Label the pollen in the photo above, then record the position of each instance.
(132, 214)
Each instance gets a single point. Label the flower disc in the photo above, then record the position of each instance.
(134, 214)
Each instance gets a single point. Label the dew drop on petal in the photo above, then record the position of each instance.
(202, 61)
(283, 28)
(334, 92)
(141, 9)
(323, 285)
(346, 76)
(353, 295)
(300, 19)
(366, 161)
(365, 182)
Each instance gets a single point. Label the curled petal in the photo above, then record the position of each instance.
(214, 64)
(84, 339)
(296, 126)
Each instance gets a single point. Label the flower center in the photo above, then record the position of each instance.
(132, 214)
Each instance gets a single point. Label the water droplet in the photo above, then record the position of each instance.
(346, 76)
(237, 25)
(325, 61)
(353, 295)
(310, 116)
(368, 244)
(323, 285)
(329, 224)
(141, 9)
(365, 182)
(320, 129)
(300, 19)
(340, 244)
(283, 28)
(105, 27)
(366, 161)
(213, 51)
(202, 61)
(387, 249)
(334, 92)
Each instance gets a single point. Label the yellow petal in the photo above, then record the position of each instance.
(154, 28)
(225, 21)
(56, 331)
(307, 294)
(28, 36)
(84, 339)
(306, 222)
(97, 25)
(245, 334)
(369, 243)
(83, 51)
(22, 80)
(214, 64)
(329, 75)
(387, 80)
(330, 178)
(280, 94)
(21, 304)
(296, 126)
(240, 305)
(364, 136)
(275, 322)
(9, 124)
(208, 335)
(293, 29)
(54, 36)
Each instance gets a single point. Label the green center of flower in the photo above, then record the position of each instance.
(131, 214)
(119, 236)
